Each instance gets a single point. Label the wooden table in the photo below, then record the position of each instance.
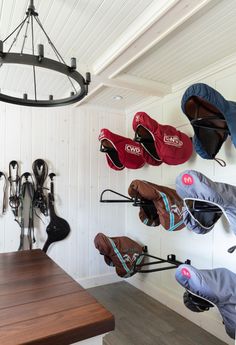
(41, 304)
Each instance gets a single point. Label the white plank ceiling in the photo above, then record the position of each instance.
(204, 41)
(107, 98)
(133, 48)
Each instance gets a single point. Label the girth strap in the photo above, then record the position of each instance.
(27, 191)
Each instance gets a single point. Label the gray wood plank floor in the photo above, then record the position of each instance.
(141, 320)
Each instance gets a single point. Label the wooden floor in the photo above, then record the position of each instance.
(141, 320)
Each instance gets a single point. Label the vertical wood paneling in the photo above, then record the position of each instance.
(73, 196)
(61, 181)
(67, 138)
(94, 191)
(84, 194)
(3, 168)
(12, 152)
(25, 139)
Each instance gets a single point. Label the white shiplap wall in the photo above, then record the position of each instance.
(67, 138)
(206, 251)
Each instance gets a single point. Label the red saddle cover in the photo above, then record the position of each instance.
(172, 146)
(128, 152)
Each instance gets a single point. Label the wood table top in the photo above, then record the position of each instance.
(41, 304)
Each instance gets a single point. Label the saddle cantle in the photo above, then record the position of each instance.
(212, 118)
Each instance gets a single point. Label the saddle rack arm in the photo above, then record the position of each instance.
(134, 201)
(171, 260)
(127, 199)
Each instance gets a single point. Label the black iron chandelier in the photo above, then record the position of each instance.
(79, 85)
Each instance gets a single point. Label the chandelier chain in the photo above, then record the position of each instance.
(25, 35)
(58, 55)
(34, 72)
(50, 41)
(21, 24)
(15, 38)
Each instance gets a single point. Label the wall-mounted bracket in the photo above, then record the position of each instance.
(134, 201)
(170, 260)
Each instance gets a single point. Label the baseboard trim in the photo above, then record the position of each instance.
(205, 321)
(98, 280)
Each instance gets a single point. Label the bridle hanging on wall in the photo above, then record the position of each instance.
(40, 170)
(4, 198)
(14, 181)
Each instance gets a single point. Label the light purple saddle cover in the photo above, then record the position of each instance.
(218, 286)
(191, 184)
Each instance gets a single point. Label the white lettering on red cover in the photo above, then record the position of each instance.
(133, 149)
(172, 140)
(101, 135)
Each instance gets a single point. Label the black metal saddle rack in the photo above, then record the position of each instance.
(140, 268)
(170, 260)
(134, 201)
(198, 206)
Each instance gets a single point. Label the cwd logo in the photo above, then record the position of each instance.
(187, 179)
(101, 135)
(133, 149)
(172, 140)
(137, 117)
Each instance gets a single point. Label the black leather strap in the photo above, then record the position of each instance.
(4, 198)
(40, 170)
(27, 190)
(14, 180)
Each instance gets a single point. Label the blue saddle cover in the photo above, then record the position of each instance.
(217, 286)
(212, 117)
(198, 191)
